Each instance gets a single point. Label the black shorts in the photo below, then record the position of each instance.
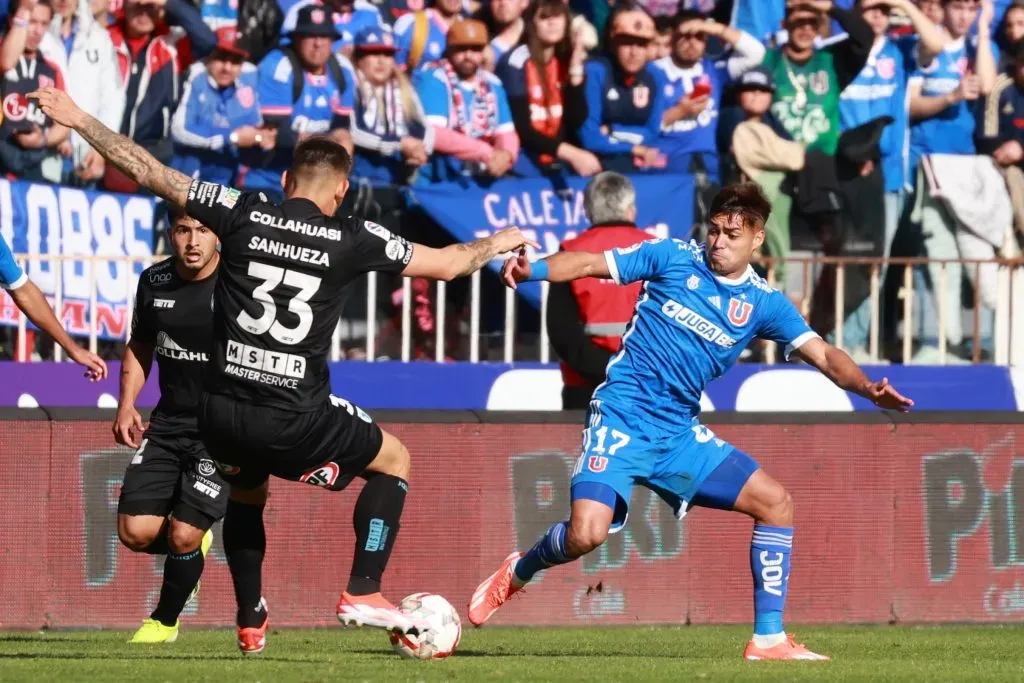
(327, 447)
(171, 473)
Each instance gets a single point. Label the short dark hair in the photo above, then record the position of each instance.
(685, 15)
(174, 214)
(318, 154)
(745, 200)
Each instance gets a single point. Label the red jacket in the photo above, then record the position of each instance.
(604, 307)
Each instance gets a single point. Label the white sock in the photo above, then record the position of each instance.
(769, 640)
(516, 581)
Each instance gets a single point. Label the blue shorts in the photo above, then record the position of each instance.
(687, 467)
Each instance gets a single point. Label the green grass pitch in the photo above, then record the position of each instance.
(703, 653)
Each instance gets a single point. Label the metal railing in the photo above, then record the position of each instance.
(364, 335)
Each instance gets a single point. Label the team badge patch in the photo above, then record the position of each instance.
(886, 67)
(228, 197)
(739, 311)
(597, 463)
(693, 282)
(324, 476)
(641, 96)
(246, 98)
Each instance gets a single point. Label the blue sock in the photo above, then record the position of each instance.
(769, 563)
(547, 552)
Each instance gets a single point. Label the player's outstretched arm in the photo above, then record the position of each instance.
(837, 365)
(133, 160)
(32, 302)
(458, 260)
(561, 267)
(135, 366)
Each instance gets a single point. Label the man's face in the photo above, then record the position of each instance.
(689, 47)
(631, 53)
(141, 19)
(803, 29)
(1015, 24)
(507, 11)
(65, 8)
(878, 19)
(314, 51)
(466, 61)
(194, 244)
(377, 67)
(449, 7)
(959, 15)
(931, 9)
(730, 245)
(224, 68)
(38, 24)
(755, 102)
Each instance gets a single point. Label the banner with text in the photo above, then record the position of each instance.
(919, 523)
(66, 227)
(551, 210)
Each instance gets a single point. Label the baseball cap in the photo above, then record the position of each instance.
(229, 40)
(758, 78)
(374, 39)
(315, 20)
(467, 33)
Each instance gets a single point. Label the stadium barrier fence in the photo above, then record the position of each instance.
(913, 518)
(1001, 294)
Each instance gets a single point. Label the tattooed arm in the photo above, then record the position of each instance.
(133, 160)
(459, 260)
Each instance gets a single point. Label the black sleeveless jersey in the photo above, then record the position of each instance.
(284, 276)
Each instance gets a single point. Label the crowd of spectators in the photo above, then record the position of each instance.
(845, 112)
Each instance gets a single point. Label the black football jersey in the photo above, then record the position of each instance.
(175, 317)
(284, 276)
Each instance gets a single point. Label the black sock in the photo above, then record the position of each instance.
(159, 545)
(245, 543)
(181, 573)
(378, 511)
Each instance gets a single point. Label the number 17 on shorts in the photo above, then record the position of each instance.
(601, 441)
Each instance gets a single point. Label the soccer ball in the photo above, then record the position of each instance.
(443, 636)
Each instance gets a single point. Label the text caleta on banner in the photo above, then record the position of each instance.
(550, 210)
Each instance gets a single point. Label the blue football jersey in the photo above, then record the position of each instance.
(689, 326)
(951, 131)
(11, 274)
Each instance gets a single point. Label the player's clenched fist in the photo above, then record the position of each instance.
(516, 269)
(58, 105)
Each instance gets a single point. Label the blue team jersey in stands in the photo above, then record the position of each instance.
(321, 107)
(689, 326)
(880, 89)
(348, 24)
(687, 136)
(437, 38)
(11, 274)
(951, 131)
(436, 95)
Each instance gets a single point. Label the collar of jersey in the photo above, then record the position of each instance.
(737, 281)
(956, 45)
(675, 72)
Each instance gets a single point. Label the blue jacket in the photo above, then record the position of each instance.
(630, 109)
(204, 120)
(880, 89)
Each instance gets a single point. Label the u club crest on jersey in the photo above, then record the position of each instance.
(739, 311)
